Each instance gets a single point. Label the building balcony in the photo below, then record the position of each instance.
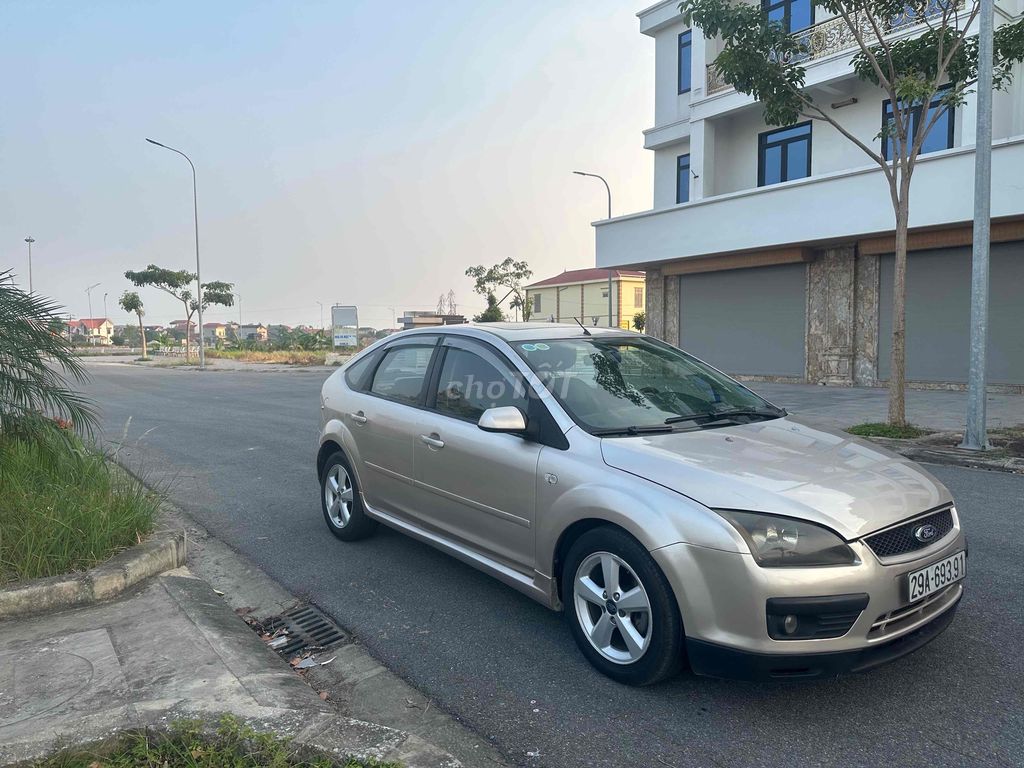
(829, 208)
(833, 36)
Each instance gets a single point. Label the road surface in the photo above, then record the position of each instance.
(237, 449)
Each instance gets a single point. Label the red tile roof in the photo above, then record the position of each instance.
(583, 276)
(214, 325)
(93, 322)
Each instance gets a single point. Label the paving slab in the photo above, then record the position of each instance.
(168, 650)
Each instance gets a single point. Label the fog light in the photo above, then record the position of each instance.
(789, 624)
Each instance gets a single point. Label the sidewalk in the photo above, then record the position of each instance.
(172, 649)
(845, 406)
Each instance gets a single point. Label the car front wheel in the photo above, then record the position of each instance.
(620, 608)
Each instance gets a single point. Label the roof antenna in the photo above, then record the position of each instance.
(581, 325)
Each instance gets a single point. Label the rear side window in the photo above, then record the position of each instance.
(402, 372)
(356, 373)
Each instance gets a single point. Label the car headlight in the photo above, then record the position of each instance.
(782, 542)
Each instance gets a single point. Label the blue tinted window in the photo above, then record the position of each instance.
(685, 65)
(793, 15)
(939, 137)
(683, 179)
(784, 155)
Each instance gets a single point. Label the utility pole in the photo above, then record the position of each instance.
(199, 280)
(976, 434)
(30, 240)
(611, 272)
(321, 315)
(88, 292)
(105, 316)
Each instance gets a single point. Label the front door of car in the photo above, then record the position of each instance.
(476, 487)
(383, 422)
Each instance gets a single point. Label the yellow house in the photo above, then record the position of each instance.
(583, 294)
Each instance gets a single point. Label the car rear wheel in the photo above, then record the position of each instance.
(341, 501)
(620, 608)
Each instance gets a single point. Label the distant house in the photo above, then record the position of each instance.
(93, 330)
(418, 319)
(583, 294)
(182, 325)
(214, 332)
(258, 332)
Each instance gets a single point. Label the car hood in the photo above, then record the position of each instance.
(786, 467)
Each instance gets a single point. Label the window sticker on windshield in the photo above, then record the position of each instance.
(541, 347)
(528, 347)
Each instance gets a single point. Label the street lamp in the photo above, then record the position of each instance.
(88, 292)
(610, 272)
(199, 281)
(104, 305)
(30, 240)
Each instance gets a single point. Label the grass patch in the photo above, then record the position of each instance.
(189, 744)
(880, 429)
(65, 506)
(285, 356)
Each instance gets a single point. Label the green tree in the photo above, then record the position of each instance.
(36, 360)
(640, 320)
(492, 314)
(509, 275)
(130, 301)
(177, 283)
(759, 58)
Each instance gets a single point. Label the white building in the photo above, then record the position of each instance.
(768, 251)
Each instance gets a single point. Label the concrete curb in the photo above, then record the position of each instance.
(164, 552)
(954, 456)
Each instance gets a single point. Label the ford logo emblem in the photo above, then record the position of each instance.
(925, 532)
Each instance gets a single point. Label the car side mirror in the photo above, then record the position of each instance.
(508, 418)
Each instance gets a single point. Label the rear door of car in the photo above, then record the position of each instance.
(476, 487)
(383, 422)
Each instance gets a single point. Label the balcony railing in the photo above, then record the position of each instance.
(834, 35)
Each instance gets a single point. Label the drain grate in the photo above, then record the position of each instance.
(308, 630)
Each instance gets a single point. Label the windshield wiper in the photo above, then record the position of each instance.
(715, 416)
(632, 430)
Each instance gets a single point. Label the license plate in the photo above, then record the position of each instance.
(936, 576)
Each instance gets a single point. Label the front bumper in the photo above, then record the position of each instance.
(723, 599)
(733, 664)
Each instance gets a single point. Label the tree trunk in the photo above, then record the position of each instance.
(898, 360)
(142, 333)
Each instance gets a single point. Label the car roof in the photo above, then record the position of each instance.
(518, 331)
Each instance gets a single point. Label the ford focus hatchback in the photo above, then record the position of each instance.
(673, 515)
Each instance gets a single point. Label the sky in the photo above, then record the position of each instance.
(347, 152)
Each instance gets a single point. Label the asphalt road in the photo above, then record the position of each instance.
(238, 449)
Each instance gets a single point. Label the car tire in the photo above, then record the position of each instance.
(644, 633)
(341, 501)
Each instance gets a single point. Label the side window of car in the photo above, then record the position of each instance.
(469, 385)
(401, 373)
(356, 373)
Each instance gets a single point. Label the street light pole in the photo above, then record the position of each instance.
(30, 240)
(199, 280)
(976, 434)
(321, 315)
(88, 292)
(610, 272)
(104, 305)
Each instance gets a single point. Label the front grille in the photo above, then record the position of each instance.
(899, 539)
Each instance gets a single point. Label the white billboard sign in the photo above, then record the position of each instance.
(345, 324)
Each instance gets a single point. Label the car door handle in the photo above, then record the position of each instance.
(358, 418)
(432, 441)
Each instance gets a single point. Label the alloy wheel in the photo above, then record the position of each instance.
(338, 495)
(612, 608)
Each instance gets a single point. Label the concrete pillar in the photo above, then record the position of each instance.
(865, 331)
(830, 316)
(671, 303)
(655, 304)
(702, 159)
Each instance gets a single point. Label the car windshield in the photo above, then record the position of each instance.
(634, 385)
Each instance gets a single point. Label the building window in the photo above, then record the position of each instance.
(938, 138)
(784, 155)
(683, 179)
(638, 296)
(793, 15)
(685, 65)
(536, 303)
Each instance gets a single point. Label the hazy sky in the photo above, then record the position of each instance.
(347, 152)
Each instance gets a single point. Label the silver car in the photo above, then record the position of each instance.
(673, 515)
